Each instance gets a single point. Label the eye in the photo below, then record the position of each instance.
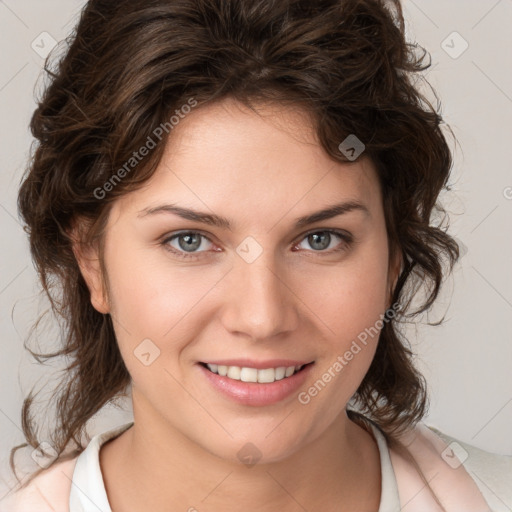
(320, 241)
(187, 243)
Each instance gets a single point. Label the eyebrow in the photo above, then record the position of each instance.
(221, 222)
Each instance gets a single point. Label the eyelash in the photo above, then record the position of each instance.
(346, 240)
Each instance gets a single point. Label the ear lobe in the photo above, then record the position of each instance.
(87, 257)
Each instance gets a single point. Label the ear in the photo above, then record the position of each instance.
(395, 267)
(88, 259)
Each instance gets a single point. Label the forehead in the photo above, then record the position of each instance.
(228, 158)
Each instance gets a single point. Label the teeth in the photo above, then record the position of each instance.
(267, 375)
(280, 373)
(246, 374)
(234, 372)
(289, 371)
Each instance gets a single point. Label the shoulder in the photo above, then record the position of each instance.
(491, 472)
(61, 486)
(48, 492)
(455, 469)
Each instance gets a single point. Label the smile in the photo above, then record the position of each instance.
(247, 374)
(256, 383)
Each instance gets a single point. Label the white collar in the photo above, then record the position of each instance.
(88, 492)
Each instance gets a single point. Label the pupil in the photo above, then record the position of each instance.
(192, 242)
(320, 241)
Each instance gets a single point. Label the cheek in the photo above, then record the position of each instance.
(155, 299)
(349, 297)
(349, 302)
(352, 311)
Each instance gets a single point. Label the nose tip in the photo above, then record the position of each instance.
(259, 302)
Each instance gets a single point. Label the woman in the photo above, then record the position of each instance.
(229, 207)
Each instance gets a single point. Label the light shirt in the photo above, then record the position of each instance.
(460, 476)
(88, 492)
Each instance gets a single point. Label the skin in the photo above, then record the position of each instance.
(293, 301)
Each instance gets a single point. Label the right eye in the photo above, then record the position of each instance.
(186, 244)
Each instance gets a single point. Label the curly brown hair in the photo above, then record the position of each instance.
(131, 63)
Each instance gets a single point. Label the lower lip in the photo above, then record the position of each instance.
(254, 393)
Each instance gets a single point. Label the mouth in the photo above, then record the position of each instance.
(255, 375)
(256, 383)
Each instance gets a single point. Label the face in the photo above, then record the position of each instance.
(246, 285)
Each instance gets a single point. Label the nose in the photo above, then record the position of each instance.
(259, 301)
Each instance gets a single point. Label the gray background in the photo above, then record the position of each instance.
(467, 360)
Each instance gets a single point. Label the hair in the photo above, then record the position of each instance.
(130, 65)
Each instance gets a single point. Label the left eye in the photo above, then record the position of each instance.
(321, 240)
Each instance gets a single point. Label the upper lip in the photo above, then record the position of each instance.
(260, 365)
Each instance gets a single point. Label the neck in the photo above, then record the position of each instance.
(152, 466)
